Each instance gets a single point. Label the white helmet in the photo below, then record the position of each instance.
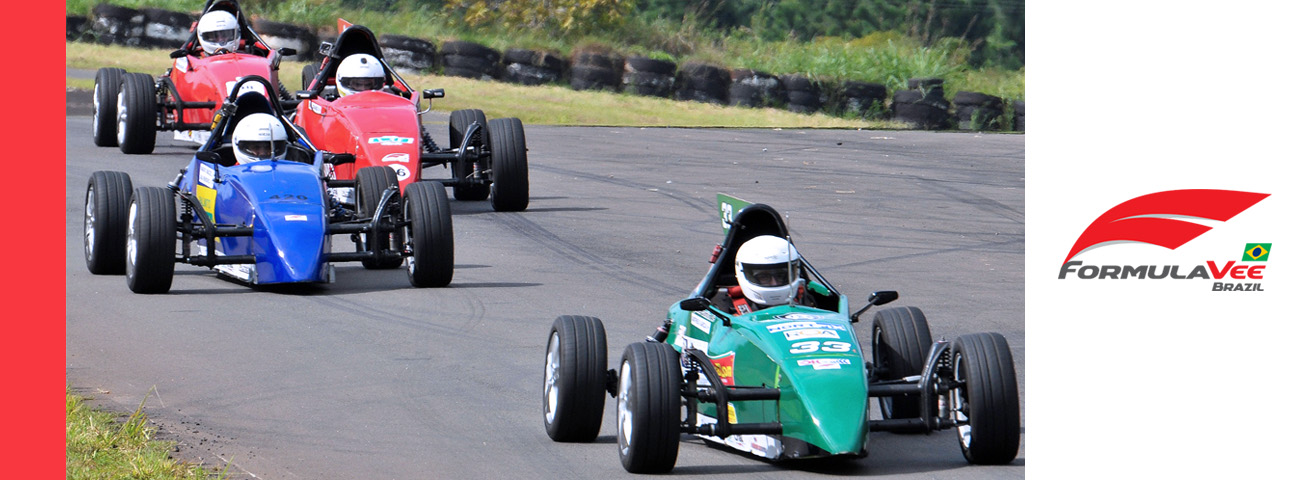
(258, 137)
(359, 72)
(218, 32)
(764, 267)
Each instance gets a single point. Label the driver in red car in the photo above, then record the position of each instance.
(360, 72)
(218, 32)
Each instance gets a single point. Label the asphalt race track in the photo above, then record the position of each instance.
(368, 378)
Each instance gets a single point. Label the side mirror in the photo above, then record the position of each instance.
(433, 93)
(337, 158)
(325, 48)
(305, 95)
(699, 304)
(287, 52)
(876, 298)
(178, 53)
(214, 158)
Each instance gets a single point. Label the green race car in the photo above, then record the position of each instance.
(783, 379)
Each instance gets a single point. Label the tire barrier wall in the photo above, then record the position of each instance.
(702, 82)
(469, 60)
(596, 71)
(922, 105)
(408, 54)
(284, 35)
(755, 89)
(649, 76)
(531, 67)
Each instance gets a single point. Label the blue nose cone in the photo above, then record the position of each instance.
(291, 243)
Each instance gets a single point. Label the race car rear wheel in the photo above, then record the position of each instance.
(900, 341)
(576, 362)
(151, 240)
(307, 74)
(649, 407)
(136, 114)
(986, 407)
(108, 197)
(104, 104)
(370, 183)
(510, 191)
(430, 233)
(459, 121)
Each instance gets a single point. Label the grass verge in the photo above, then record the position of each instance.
(542, 105)
(101, 445)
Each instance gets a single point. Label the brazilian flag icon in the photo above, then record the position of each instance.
(1256, 252)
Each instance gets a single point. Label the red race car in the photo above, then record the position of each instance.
(131, 107)
(354, 102)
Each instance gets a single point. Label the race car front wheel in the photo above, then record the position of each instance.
(900, 341)
(510, 190)
(576, 362)
(986, 407)
(649, 408)
(430, 234)
(108, 197)
(104, 104)
(136, 114)
(151, 240)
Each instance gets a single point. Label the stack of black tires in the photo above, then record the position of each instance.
(469, 60)
(408, 54)
(596, 70)
(532, 67)
(802, 95)
(649, 76)
(755, 89)
(923, 104)
(702, 82)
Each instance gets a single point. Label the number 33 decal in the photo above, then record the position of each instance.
(813, 346)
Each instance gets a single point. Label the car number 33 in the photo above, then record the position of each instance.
(813, 346)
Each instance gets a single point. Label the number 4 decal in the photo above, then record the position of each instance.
(813, 346)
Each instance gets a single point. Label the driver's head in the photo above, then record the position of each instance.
(259, 137)
(218, 32)
(767, 268)
(359, 72)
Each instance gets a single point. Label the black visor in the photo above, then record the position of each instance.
(263, 149)
(218, 36)
(359, 84)
(770, 274)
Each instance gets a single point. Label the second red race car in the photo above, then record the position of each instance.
(130, 108)
(354, 102)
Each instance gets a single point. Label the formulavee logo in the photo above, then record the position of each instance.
(1146, 219)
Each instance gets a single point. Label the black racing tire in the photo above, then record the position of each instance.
(104, 226)
(137, 114)
(575, 379)
(649, 407)
(408, 53)
(510, 190)
(369, 184)
(430, 231)
(650, 65)
(307, 74)
(459, 121)
(481, 65)
(104, 104)
(151, 240)
(599, 60)
(987, 405)
(591, 77)
(900, 341)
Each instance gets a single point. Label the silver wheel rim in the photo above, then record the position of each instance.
(131, 238)
(95, 108)
(89, 226)
(957, 400)
(122, 118)
(624, 416)
(551, 379)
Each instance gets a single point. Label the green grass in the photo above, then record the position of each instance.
(882, 57)
(540, 105)
(101, 445)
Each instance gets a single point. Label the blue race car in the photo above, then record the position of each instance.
(266, 222)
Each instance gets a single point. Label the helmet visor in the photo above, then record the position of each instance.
(219, 36)
(360, 84)
(770, 274)
(263, 149)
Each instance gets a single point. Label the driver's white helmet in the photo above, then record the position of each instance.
(767, 268)
(218, 32)
(359, 72)
(259, 137)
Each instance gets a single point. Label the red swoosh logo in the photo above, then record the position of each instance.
(1136, 220)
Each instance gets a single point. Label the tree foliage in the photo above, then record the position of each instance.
(566, 17)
